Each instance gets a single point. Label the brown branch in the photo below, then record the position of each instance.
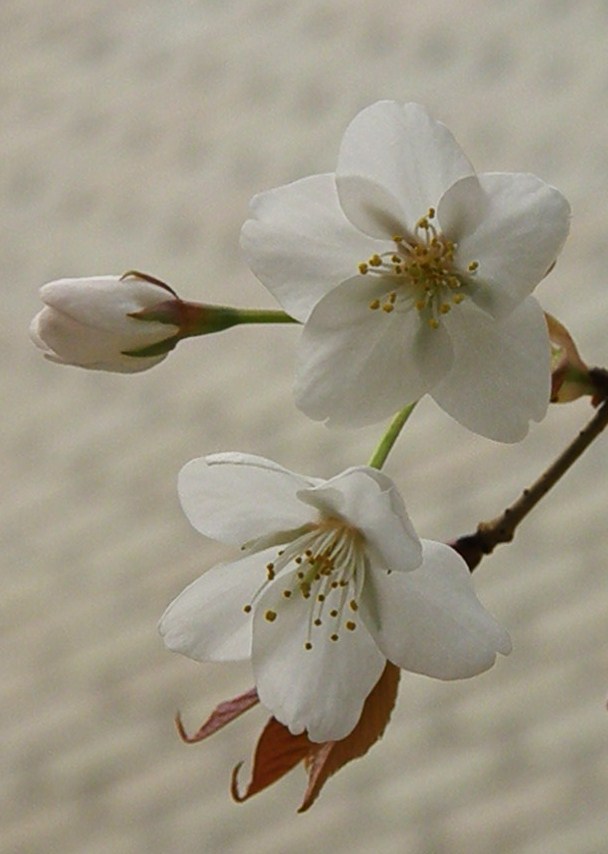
(473, 547)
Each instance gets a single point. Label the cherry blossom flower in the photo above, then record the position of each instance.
(413, 275)
(91, 322)
(333, 582)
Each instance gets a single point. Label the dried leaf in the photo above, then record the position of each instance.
(277, 752)
(221, 715)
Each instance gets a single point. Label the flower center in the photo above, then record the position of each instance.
(422, 273)
(329, 559)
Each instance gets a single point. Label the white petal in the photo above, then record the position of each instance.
(236, 498)
(430, 621)
(70, 342)
(321, 690)
(500, 379)
(406, 151)
(300, 245)
(206, 621)
(370, 502)
(104, 302)
(514, 225)
(370, 207)
(357, 366)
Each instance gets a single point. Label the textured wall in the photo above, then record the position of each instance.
(134, 134)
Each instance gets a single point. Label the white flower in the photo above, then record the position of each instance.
(413, 275)
(333, 582)
(89, 323)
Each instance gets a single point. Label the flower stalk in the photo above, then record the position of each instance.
(194, 319)
(383, 449)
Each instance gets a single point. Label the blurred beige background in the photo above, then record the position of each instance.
(133, 135)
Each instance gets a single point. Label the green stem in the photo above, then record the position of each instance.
(378, 458)
(262, 315)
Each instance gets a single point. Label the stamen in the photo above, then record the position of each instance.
(326, 565)
(419, 273)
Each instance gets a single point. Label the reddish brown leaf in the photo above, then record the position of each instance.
(220, 716)
(277, 752)
(323, 760)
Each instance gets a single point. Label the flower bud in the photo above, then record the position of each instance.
(570, 377)
(93, 322)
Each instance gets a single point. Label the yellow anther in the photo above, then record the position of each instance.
(334, 637)
(431, 213)
(444, 307)
(351, 626)
(375, 261)
(473, 266)
(397, 238)
(420, 304)
(353, 605)
(333, 613)
(270, 616)
(374, 304)
(247, 609)
(457, 298)
(363, 268)
(388, 307)
(287, 594)
(433, 323)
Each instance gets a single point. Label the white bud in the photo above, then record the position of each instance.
(87, 322)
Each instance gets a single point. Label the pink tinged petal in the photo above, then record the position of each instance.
(321, 690)
(371, 208)
(369, 501)
(357, 366)
(406, 151)
(430, 621)
(513, 225)
(68, 341)
(236, 498)
(207, 621)
(501, 377)
(300, 245)
(104, 302)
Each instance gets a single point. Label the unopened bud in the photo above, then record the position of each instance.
(89, 322)
(570, 377)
